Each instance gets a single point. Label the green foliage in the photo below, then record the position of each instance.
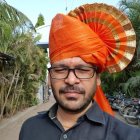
(19, 80)
(14, 18)
(40, 21)
(132, 86)
(110, 82)
(32, 62)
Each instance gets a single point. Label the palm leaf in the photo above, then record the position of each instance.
(14, 17)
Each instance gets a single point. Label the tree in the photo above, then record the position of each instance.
(15, 18)
(12, 22)
(40, 21)
(20, 81)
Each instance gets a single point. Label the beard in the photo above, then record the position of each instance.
(81, 106)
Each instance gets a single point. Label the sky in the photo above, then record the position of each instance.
(49, 8)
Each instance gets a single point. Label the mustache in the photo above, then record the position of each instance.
(73, 88)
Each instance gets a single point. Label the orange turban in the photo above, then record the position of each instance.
(70, 37)
(95, 34)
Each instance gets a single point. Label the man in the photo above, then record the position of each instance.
(79, 52)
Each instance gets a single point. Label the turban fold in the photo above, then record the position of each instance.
(70, 37)
(97, 33)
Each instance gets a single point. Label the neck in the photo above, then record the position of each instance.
(69, 119)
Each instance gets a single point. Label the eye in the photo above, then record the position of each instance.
(59, 70)
(84, 69)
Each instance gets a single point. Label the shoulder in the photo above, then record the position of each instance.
(36, 121)
(32, 127)
(121, 130)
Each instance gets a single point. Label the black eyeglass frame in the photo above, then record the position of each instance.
(95, 68)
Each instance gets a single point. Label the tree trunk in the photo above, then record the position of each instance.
(9, 90)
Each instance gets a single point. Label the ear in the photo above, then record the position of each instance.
(98, 80)
(49, 82)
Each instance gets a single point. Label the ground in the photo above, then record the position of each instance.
(9, 128)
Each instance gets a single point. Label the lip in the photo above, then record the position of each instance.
(72, 94)
(72, 91)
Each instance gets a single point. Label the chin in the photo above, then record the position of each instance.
(74, 108)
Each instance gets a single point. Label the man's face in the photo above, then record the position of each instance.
(71, 93)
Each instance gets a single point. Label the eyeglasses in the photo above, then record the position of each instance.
(83, 72)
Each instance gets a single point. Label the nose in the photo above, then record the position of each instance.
(72, 79)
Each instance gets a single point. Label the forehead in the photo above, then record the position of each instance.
(74, 61)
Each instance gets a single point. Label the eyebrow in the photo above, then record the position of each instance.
(64, 65)
(59, 65)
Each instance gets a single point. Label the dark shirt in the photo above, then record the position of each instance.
(94, 125)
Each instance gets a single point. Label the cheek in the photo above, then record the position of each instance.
(55, 84)
(90, 87)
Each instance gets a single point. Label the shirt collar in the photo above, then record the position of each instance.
(94, 114)
(52, 111)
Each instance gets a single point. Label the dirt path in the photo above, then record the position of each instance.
(9, 128)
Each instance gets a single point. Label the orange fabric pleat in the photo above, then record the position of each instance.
(114, 28)
(70, 37)
(102, 101)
